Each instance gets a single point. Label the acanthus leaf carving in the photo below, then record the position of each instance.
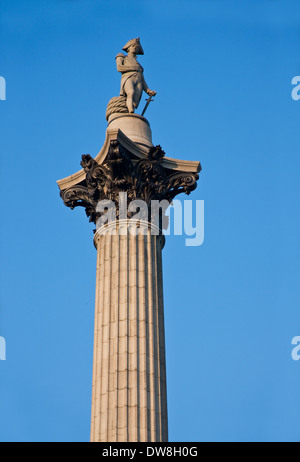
(144, 179)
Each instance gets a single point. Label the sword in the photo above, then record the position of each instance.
(147, 104)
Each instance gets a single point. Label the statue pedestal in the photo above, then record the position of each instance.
(134, 126)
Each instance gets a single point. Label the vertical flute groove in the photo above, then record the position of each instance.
(118, 333)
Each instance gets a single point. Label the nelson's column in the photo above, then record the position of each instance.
(119, 189)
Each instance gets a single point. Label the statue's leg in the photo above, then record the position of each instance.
(129, 91)
(137, 94)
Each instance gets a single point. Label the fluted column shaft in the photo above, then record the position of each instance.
(129, 398)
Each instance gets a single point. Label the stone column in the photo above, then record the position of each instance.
(129, 399)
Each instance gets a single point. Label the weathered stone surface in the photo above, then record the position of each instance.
(144, 179)
(129, 380)
(134, 126)
(136, 150)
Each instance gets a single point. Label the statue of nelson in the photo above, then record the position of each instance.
(132, 82)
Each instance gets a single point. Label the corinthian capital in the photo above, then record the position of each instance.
(147, 176)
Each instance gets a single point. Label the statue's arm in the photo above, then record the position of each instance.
(147, 89)
(121, 67)
(145, 86)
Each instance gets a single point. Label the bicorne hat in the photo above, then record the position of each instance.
(135, 41)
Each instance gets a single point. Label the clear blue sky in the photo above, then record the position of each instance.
(223, 71)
